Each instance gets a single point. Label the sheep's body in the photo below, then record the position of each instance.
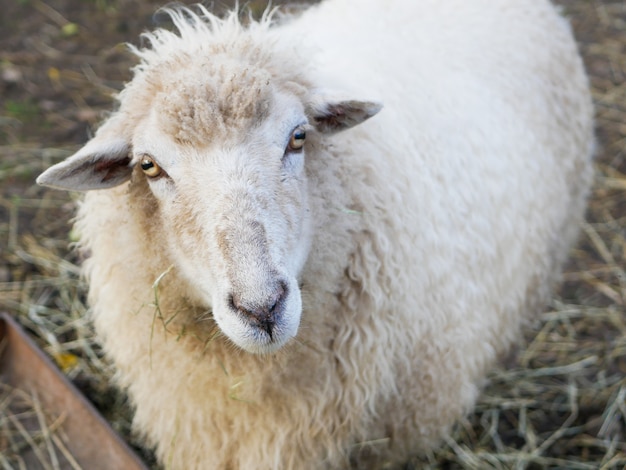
(437, 229)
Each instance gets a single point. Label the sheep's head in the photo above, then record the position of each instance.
(223, 155)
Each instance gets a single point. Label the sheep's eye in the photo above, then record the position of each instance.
(150, 167)
(296, 141)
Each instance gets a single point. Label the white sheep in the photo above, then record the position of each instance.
(276, 293)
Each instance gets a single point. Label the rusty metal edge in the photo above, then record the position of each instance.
(25, 365)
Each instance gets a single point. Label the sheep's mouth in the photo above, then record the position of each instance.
(265, 325)
(261, 342)
(264, 333)
(265, 316)
(261, 330)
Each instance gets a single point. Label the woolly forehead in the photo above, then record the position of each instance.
(214, 77)
(205, 102)
(183, 123)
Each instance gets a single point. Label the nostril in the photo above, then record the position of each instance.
(234, 303)
(279, 296)
(261, 314)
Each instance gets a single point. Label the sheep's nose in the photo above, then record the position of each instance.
(262, 314)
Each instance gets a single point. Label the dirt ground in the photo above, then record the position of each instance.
(561, 404)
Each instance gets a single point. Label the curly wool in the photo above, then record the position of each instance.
(438, 228)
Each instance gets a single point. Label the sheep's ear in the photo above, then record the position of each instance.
(102, 163)
(330, 113)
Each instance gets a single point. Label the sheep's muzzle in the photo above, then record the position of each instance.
(262, 315)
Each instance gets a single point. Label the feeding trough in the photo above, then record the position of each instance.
(46, 422)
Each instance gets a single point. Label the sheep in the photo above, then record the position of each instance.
(310, 238)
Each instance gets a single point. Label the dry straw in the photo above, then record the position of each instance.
(29, 435)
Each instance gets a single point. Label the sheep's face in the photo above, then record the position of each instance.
(235, 214)
(230, 196)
